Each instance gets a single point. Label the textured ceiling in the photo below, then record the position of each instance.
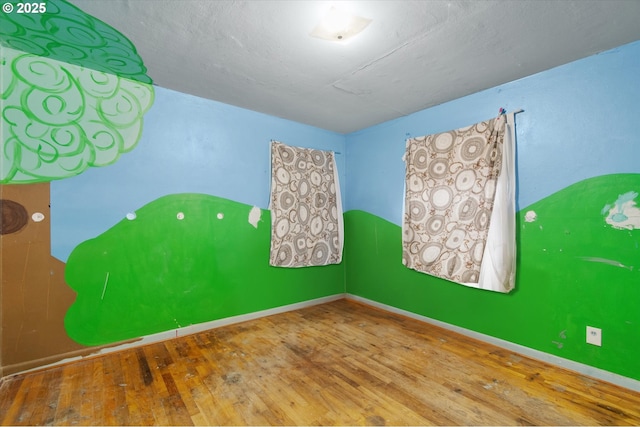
(415, 54)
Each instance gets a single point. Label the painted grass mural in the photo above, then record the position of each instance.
(180, 260)
(568, 252)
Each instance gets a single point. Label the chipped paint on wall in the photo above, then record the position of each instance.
(623, 214)
(254, 216)
(530, 216)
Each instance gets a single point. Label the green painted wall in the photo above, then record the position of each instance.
(156, 272)
(574, 269)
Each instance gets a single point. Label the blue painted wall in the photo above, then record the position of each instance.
(579, 121)
(188, 145)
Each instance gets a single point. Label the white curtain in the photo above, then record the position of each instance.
(459, 217)
(306, 210)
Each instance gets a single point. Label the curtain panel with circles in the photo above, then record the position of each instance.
(460, 184)
(306, 210)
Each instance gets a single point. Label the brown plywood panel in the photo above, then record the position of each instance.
(34, 295)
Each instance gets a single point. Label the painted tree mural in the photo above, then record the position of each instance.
(73, 93)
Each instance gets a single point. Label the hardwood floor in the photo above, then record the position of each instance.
(341, 363)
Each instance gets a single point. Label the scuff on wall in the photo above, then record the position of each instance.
(607, 261)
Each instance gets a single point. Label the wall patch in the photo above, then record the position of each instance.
(624, 214)
(530, 216)
(254, 216)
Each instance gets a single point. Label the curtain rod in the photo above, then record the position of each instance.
(503, 111)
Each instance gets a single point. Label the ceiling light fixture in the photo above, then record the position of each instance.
(339, 25)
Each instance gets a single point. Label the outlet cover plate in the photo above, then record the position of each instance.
(594, 336)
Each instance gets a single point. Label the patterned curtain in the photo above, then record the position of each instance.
(451, 181)
(306, 210)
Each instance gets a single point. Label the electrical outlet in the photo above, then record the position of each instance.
(594, 336)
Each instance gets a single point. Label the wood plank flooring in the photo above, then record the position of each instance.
(340, 363)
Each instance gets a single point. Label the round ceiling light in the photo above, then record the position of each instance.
(338, 25)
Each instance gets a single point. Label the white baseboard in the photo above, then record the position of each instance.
(193, 329)
(581, 368)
